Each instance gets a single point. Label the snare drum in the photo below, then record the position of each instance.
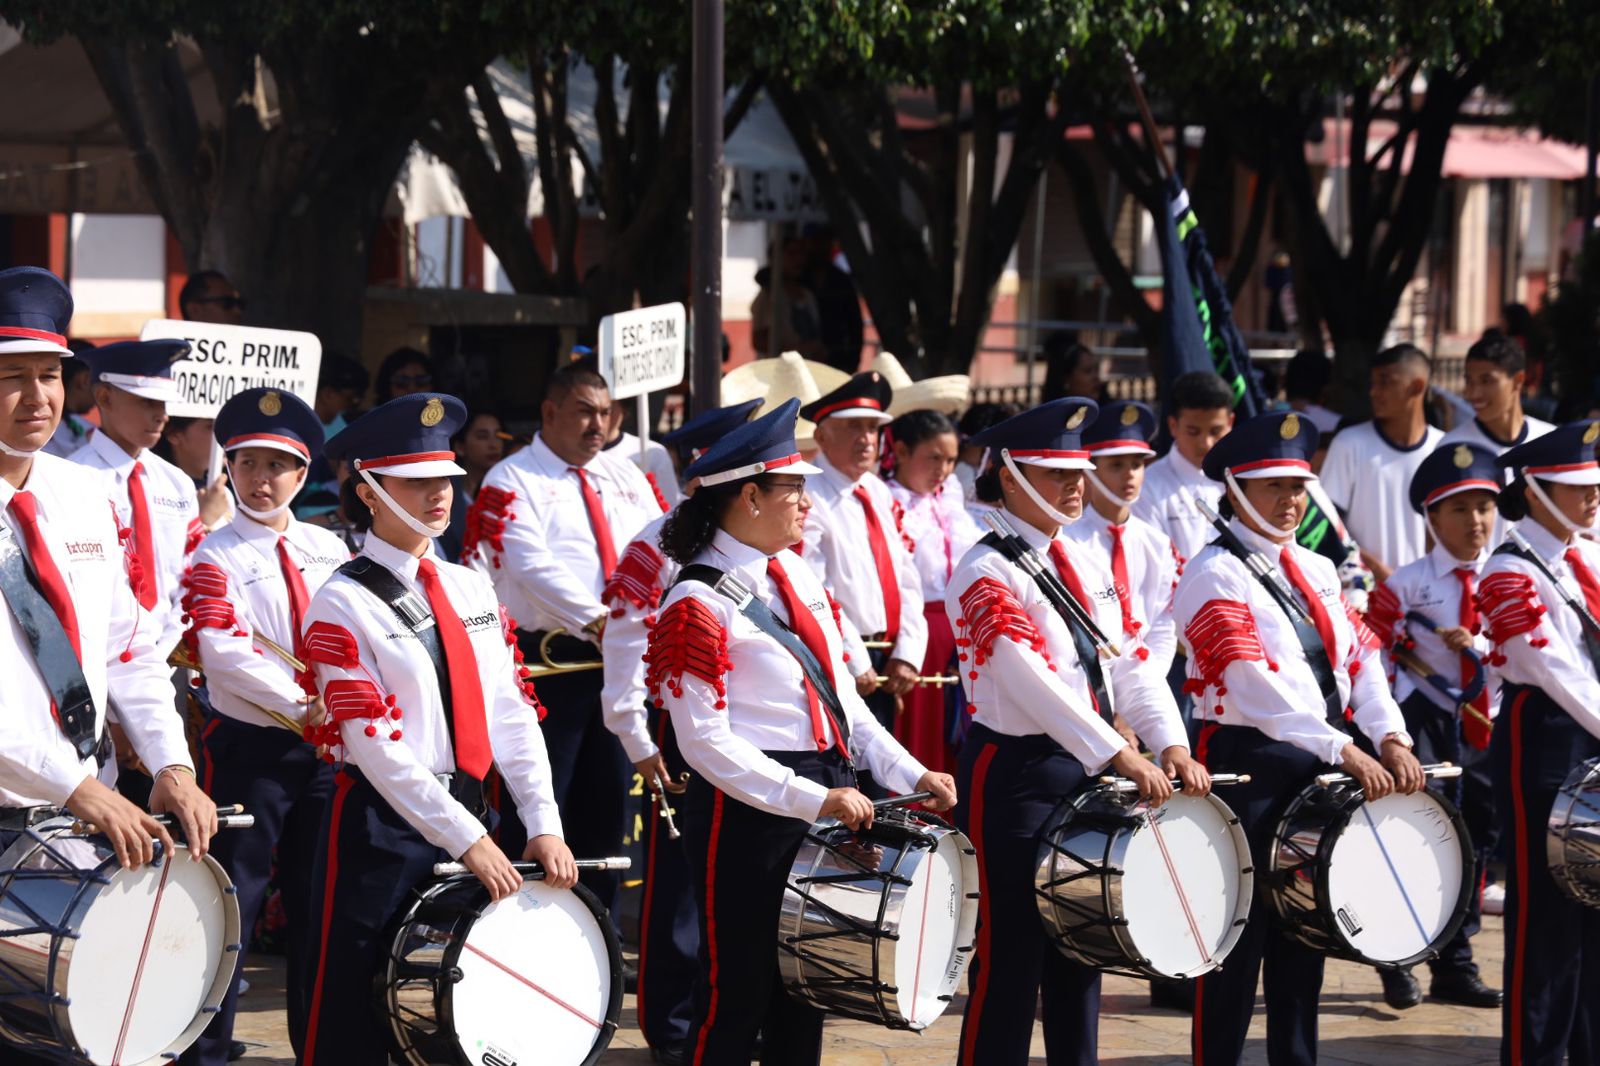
(533, 978)
(107, 965)
(1128, 889)
(879, 925)
(1384, 883)
(1573, 841)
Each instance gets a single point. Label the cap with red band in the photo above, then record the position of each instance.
(1278, 444)
(269, 418)
(35, 312)
(759, 446)
(1049, 435)
(1564, 455)
(866, 395)
(406, 437)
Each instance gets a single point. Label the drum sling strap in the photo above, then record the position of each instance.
(51, 647)
(1590, 627)
(761, 616)
(1053, 589)
(415, 615)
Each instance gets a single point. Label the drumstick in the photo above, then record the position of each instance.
(1442, 769)
(931, 679)
(1122, 784)
(901, 801)
(532, 871)
(227, 818)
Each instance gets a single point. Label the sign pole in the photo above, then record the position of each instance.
(643, 419)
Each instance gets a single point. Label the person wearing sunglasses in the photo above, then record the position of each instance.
(208, 296)
(403, 372)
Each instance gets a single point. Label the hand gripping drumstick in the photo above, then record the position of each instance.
(532, 871)
(1442, 769)
(1122, 784)
(227, 818)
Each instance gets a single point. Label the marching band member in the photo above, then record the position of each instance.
(249, 591)
(854, 543)
(154, 500)
(1429, 608)
(752, 690)
(73, 630)
(669, 933)
(1267, 715)
(413, 660)
(1199, 410)
(1539, 599)
(1041, 730)
(938, 529)
(548, 527)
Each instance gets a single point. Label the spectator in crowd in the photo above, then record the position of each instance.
(1281, 314)
(78, 386)
(208, 296)
(1493, 379)
(1305, 384)
(800, 328)
(403, 372)
(838, 306)
(479, 444)
(1070, 369)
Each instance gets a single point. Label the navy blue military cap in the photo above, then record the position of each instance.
(708, 427)
(1453, 468)
(269, 418)
(757, 447)
(143, 368)
(1048, 435)
(1278, 444)
(866, 395)
(407, 437)
(1122, 428)
(1565, 455)
(35, 310)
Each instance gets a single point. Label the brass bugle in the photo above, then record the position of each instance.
(549, 667)
(183, 657)
(932, 679)
(659, 793)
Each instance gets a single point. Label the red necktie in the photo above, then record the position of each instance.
(804, 624)
(598, 523)
(298, 600)
(51, 583)
(885, 566)
(1475, 730)
(1319, 613)
(1586, 580)
(1119, 574)
(1069, 577)
(466, 695)
(144, 548)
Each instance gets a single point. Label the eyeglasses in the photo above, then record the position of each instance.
(405, 381)
(227, 303)
(787, 490)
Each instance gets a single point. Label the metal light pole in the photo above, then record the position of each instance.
(705, 242)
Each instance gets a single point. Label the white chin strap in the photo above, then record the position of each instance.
(401, 513)
(1568, 524)
(259, 516)
(1249, 510)
(1033, 493)
(1099, 486)
(18, 453)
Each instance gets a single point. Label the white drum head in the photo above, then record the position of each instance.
(536, 980)
(937, 924)
(1394, 876)
(1183, 886)
(152, 953)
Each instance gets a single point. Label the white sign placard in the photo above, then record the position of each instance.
(224, 360)
(643, 350)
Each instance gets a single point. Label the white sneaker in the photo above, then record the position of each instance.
(1494, 898)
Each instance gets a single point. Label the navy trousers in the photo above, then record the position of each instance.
(1225, 999)
(278, 778)
(669, 922)
(1008, 787)
(370, 862)
(1552, 966)
(740, 858)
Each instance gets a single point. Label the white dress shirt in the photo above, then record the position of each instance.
(548, 573)
(1023, 691)
(939, 528)
(1368, 477)
(1543, 650)
(656, 464)
(838, 549)
(175, 527)
(1429, 586)
(38, 765)
(393, 662)
(764, 706)
(1152, 576)
(241, 559)
(632, 596)
(1172, 488)
(1244, 650)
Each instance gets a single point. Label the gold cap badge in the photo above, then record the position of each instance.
(1463, 456)
(1591, 434)
(433, 412)
(1077, 418)
(1130, 415)
(1291, 426)
(271, 404)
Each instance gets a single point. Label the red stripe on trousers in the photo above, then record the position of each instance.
(1520, 943)
(980, 773)
(330, 882)
(205, 734)
(711, 926)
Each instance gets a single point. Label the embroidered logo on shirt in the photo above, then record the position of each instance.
(85, 551)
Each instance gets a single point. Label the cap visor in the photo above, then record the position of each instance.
(1591, 476)
(802, 467)
(1055, 464)
(431, 468)
(1121, 449)
(23, 346)
(270, 445)
(164, 393)
(862, 412)
(1275, 471)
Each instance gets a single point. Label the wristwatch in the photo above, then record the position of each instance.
(1403, 738)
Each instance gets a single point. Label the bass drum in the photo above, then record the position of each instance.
(879, 925)
(104, 965)
(1384, 883)
(1572, 844)
(1151, 893)
(533, 978)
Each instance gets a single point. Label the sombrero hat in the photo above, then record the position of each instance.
(948, 394)
(774, 381)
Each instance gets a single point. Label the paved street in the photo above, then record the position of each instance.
(1356, 1027)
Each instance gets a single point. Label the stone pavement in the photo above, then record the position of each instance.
(1356, 1026)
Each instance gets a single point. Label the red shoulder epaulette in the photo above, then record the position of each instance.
(486, 522)
(687, 638)
(636, 579)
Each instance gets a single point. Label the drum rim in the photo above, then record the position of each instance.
(1557, 831)
(1349, 798)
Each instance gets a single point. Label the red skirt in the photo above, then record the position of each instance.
(922, 723)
